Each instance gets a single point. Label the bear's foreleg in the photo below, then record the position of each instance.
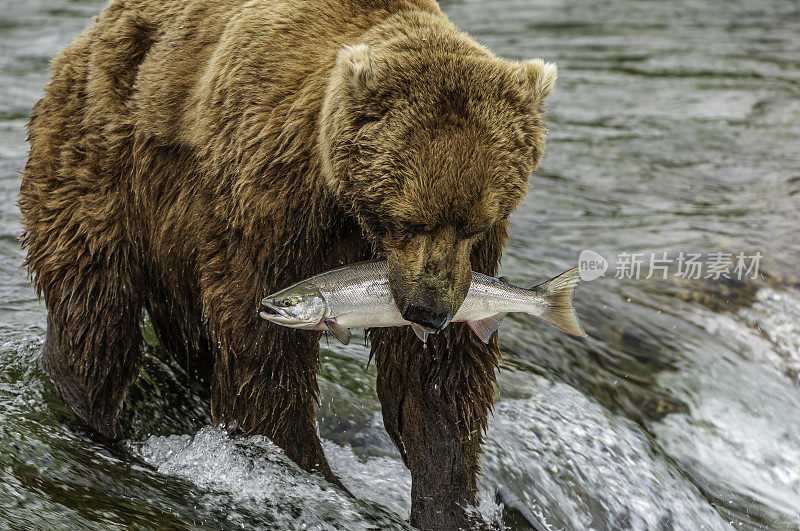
(435, 400)
(265, 383)
(93, 346)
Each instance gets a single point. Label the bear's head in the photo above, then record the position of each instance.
(429, 145)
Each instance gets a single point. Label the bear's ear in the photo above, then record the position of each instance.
(357, 65)
(539, 77)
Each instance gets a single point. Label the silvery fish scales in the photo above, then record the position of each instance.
(358, 296)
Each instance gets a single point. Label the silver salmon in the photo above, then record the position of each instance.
(358, 296)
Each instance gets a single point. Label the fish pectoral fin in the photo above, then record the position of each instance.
(341, 333)
(484, 328)
(422, 334)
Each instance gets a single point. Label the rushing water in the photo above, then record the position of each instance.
(675, 128)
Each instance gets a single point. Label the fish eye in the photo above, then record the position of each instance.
(288, 301)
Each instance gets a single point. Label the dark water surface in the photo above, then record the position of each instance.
(675, 128)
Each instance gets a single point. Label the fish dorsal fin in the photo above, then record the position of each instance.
(422, 334)
(484, 328)
(560, 312)
(341, 333)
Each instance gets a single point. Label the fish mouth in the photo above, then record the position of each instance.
(277, 315)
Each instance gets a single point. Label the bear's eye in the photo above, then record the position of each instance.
(476, 233)
(370, 115)
(366, 119)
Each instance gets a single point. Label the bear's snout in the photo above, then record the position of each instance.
(428, 312)
(429, 277)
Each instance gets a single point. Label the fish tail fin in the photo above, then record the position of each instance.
(560, 313)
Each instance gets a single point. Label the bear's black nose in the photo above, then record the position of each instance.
(426, 317)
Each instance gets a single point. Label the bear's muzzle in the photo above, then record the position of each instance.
(429, 277)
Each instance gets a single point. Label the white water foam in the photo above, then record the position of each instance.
(380, 479)
(767, 332)
(742, 439)
(568, 457)
(558, 451)
(256, 475)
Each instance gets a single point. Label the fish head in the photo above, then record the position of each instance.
(299, 306)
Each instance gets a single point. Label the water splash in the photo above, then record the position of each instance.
(257, 476)
(583, 467)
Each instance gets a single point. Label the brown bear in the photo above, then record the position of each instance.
(190, 157)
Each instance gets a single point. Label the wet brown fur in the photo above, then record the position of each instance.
(191, 157)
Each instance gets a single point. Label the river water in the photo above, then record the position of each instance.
(675, 128)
